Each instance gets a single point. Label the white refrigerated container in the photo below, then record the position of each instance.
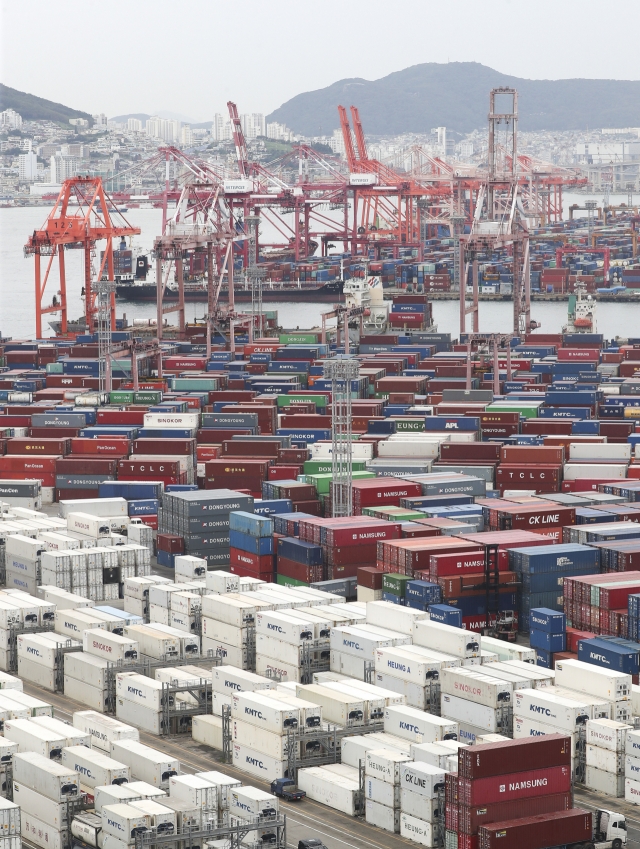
(146, 764)
(446, 638)
(417, 726)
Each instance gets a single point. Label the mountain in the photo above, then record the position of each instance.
(456, 95)
(34, 108)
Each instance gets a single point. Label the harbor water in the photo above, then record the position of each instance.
(17, 314)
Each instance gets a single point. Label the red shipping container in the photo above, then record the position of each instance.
(207, 452)
(514, 785)
(259, 448)
(293, 455)
(86, 466)
(16, 421)
(50, 447)
(371, 491)
(120, 417)
(45, 432)
(471, 818)
(359, 533)
(531, 753)
(105, 446)
(186, 447)
(545, 427)
(531, 518)
(351, 554)
(168, 468)
(525, 454)
(171, 543)
(314, 508)
(299, 571)
(244, 572)
(151, 521)
(539, 477)
(27, 466)
(73, 494)
(255, 562)
(470, 451)
(47, 479)
(454, 587)
(460, 563)
(370, 577)
(562, 827)
(283, 473)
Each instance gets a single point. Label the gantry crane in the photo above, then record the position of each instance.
(93, 218)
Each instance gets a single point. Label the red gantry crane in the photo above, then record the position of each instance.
(83, 215)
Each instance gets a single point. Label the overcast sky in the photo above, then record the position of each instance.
(191, 57)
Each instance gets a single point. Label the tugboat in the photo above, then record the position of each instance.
(581, 311)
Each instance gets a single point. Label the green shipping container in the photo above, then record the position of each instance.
(322, 483)
(294, 398)
(298, 339)
(147, 396)
(205, 384)
(121, 397)
(395, 584)
(285, 581)
(54, 368)
(524, 409)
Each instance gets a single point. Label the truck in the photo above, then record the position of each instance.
(286, 789)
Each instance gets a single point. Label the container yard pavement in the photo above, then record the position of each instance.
(304, 819)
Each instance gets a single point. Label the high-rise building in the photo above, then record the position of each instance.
(336, 143)
(253, 125)
(186, 136)
(10, 120)
(162, 128)
(217, 127)
(134, 125)
(28, 166)
(100, 121)
(279, 131)
(63, 167)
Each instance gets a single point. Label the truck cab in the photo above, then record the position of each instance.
(609, 830)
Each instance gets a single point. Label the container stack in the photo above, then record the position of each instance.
(44, 788)
(504, 781)
(414, 672)
(382, 788)
(542, 572)
(354, 646)
(288, 641)
(251, 545)
(547, 634)
(228, 628)
(420, 816)
(251, 805)
(260, 726)
(299, 563)
(201, 518)
(632, 767)
(614, 687)
(479, 702)
(199, 794)
(605, 756)
(600, 603)
(141, 699)
(40, 659)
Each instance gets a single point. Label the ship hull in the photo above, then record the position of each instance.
(271, 293)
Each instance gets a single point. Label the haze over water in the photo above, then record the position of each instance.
(17, 313)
